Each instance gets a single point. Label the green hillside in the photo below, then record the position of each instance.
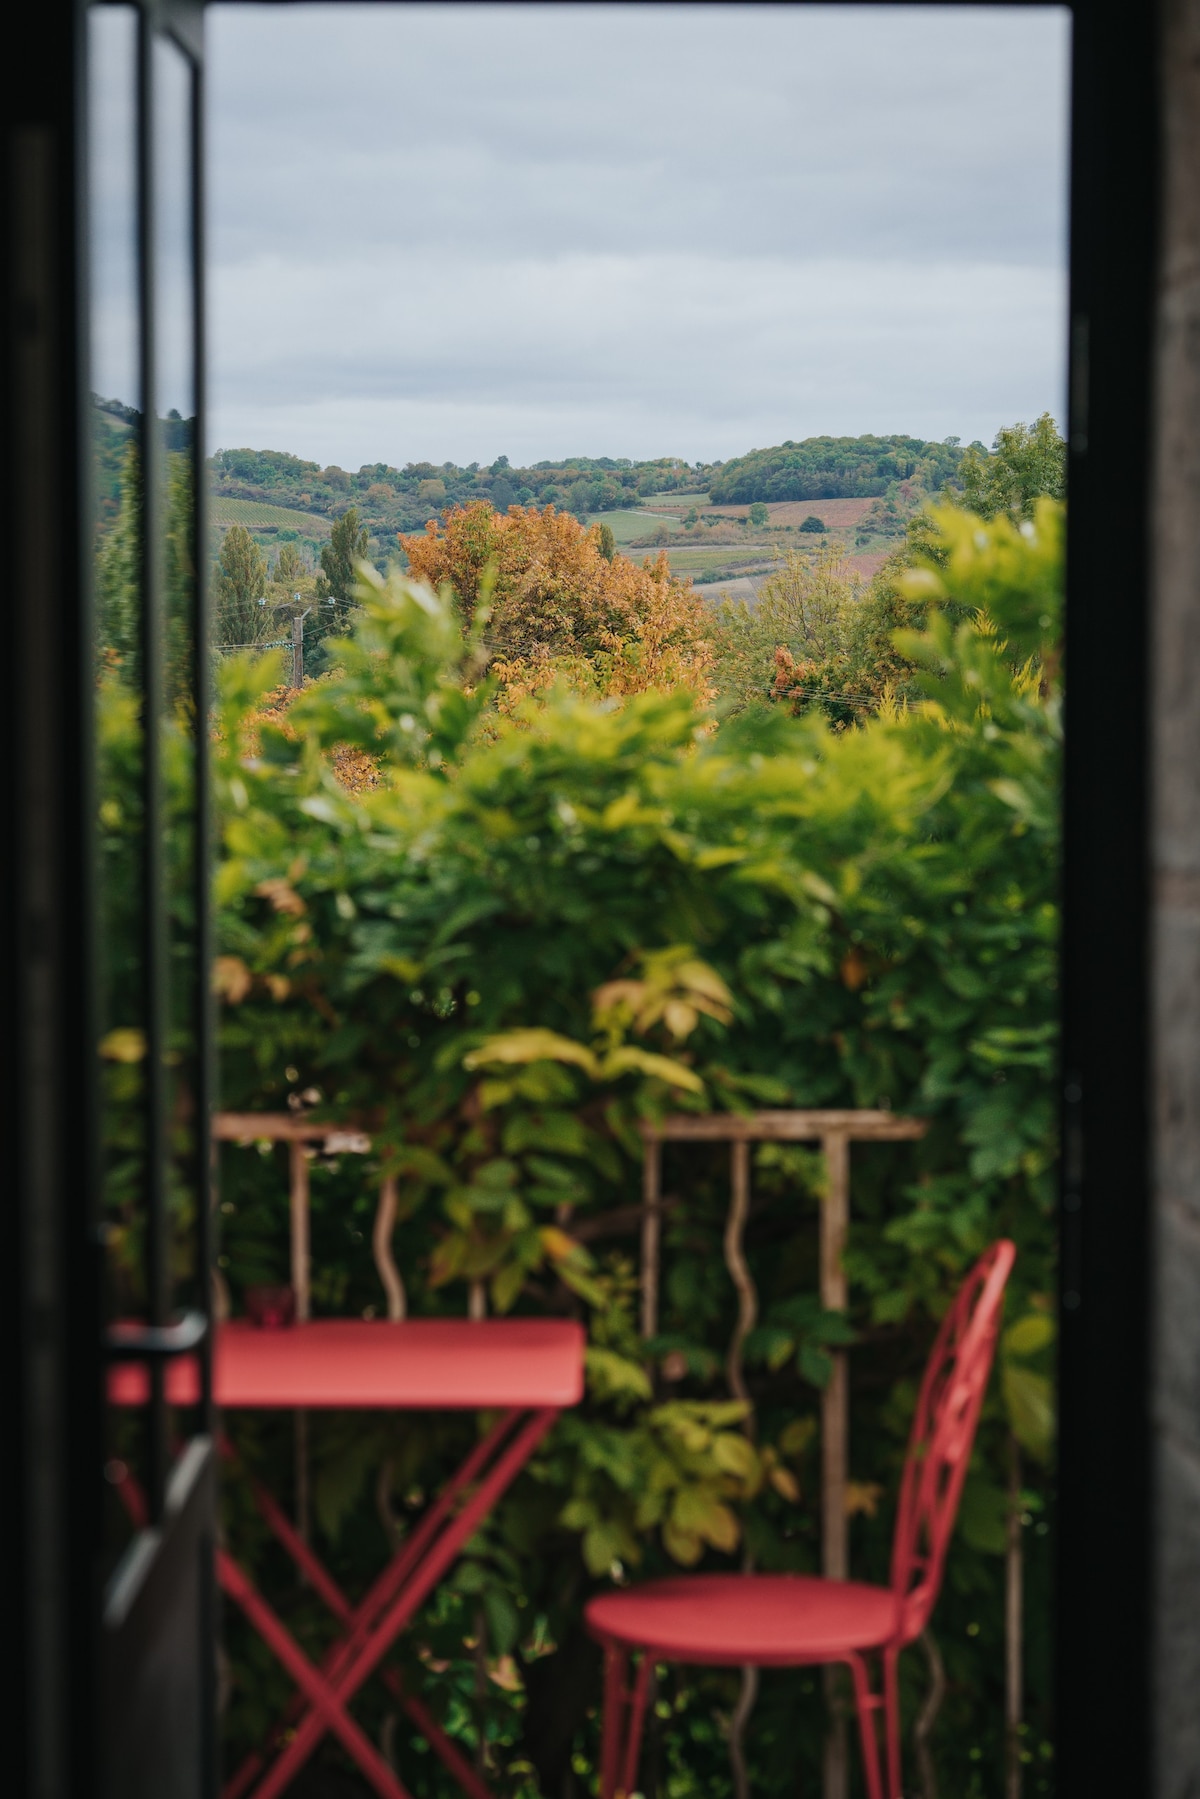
(259, 516)
(390, 499)
(865, 488)
(830, 468)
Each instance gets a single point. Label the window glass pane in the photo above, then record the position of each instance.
(117, 523)
(117, 496)
(175, 434)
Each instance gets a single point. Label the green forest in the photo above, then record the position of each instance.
(393, 499)
(401, 499)
(826, 468)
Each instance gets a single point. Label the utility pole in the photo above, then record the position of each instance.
(298, 646)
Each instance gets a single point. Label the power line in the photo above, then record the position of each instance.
(276, 643)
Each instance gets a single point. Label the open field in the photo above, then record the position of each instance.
(835, 515)
(256, 515)
(738, 587)
(627, 525)
(748, 585)
(732, 560)
(693, 552)
(868, 563)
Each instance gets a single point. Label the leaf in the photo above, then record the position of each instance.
(506, 1285)
(983, 1515)
(324, 810)
(1029, 1402)
(506, 1675)
(613, 1376)
(282, 895)
(796, 1436)
(416, 1161)
(580, 1281)
(558, 1245)
(721, 1527)
(735, 1454)
(447, 1259)
(231, 979)
(621, 811)
(835, 1330)
(816, 1365)
(1029, 1334)
(785, 1483)
(720, 857)
(499, 1175)
(503, 1621)
(689, 1432)
(774, 1345)
(862, 1496)
(628, 1058)
(602, 1544)
(697, 1513)
(534, 1044)
(712, 1415)
(892, 1307)
(577, 1514)
(469, 1577)
(854, 970)
(560, 1132)
(683, 1546)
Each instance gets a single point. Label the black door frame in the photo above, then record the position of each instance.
(1105, 1499)
(109, 1677)
(50, 1342)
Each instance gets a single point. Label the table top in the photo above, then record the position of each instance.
(423, 1364)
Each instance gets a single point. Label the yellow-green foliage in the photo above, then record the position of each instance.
(535, 932)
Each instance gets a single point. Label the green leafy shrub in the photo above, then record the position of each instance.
(534, 932)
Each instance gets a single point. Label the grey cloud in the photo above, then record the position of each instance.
(569, 216)
(574, 126)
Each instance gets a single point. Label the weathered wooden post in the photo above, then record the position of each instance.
(835, 1131)
(298, 619)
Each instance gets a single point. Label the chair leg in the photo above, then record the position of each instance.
(624, 1716)
(616, 1667)
(633, 1727)
(891, 1713)
(867, 1703)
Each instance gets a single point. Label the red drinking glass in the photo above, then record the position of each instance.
(271, 1308)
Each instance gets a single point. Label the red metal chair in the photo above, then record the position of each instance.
(788, 1620)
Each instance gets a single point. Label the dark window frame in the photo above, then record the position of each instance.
(53, 1335)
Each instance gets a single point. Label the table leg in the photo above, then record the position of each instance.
(444, 1747)
(407, 1557)
(327, 1588)
(315, 1687)
(423, 1578)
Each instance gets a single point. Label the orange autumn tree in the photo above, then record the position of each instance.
(560, 608)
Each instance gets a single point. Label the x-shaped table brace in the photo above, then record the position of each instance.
(373, 1625)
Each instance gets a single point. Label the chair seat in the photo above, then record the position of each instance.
(774, 1620)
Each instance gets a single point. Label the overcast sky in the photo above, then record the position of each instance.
(446, 232)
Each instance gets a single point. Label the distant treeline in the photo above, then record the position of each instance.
(391, 500)
(403, 498)
(115, 427)
(835, 468)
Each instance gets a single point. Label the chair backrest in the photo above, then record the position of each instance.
(943, 1432)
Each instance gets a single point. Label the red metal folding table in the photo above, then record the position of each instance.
(526, 1369)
